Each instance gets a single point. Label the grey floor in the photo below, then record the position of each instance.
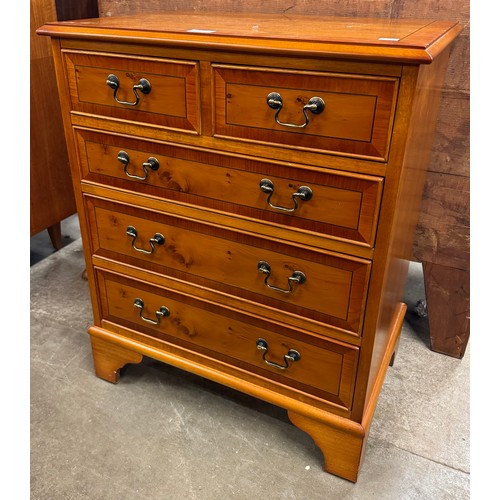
(162, 434)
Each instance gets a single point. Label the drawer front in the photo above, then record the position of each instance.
(321, 367)
(336, 205)
(356, 119)
(314, 285)
(172, 100)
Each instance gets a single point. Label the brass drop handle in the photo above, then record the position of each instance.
(143, 86)
(157, 239)
(315, 105)
(297, 278)
(304, 193)
(290, 357)
(151, 164)
(162, 312)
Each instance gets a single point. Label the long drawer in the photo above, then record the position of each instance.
(321, 286)
(333, 204)
(149, 90)
(323, 368)
(341, 113)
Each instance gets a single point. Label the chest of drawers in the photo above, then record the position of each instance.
(247, 188)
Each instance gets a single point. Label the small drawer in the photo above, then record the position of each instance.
(338, 205)
(321, 286)
(345, 114)
(304, 362)
(148, 90)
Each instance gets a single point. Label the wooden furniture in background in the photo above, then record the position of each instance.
(248, 188)
(51, 189)
(442, 238)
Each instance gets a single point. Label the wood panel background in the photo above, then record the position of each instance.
(51, 188)
(442, 235)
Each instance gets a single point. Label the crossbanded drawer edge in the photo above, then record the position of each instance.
(190, 329)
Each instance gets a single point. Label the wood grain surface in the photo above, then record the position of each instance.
(207, 329)
(334, 291)
(51, 193)
(344, 206)
(442, 234)
(450, 152)
(195, 286)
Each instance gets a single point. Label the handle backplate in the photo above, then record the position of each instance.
(297, 278)
(157, 239)
(151, 164)
(304, 193)
(162, 312)
(315, 105)
(290, 357)
(143, 86)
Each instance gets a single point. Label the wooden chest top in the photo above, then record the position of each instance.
(402, 40)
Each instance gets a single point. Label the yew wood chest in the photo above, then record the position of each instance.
(247, 188)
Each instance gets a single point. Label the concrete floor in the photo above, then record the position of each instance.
(162, 434)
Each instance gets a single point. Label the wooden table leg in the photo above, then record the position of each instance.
(55, 235)
(447, 290)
